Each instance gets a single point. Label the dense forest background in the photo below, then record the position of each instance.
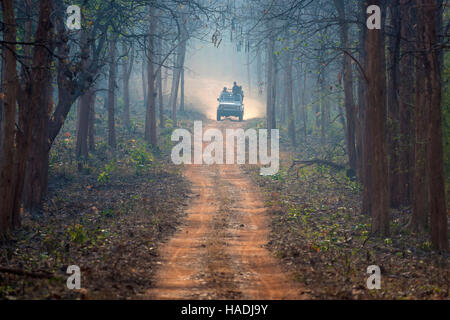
(86, 118)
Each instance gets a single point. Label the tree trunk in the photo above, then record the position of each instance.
(271, 84)
(69, 88)
(435, 162)
(182, 90)
(10, 88)
(282, 88)
(348, 85)
(166, 79)
(127, 67)
(376, 121)
(40, 107)
(403, 194)
(393, 103)
(365, 129)
(91, 125)
(82, 128)
(177, 75)
(304, 107)
(322, 111)
(259, 73)
(28, 34)
(2, 68)
(249, 77)
(150, 119)
(144, 81)
(36, 174)
(289, 97)
(112, 94)
(159, 84)
(419, 218)
(81, 150)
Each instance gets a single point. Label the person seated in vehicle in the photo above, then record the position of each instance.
(224, 94)
(238, 93)
(241, 92)
(235, 88)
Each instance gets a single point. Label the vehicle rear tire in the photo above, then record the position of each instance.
(241, 117)
(219, 117)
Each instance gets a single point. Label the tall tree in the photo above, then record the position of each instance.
(112, 93)
(348, 84)
(33, 99)
(289, 93)
(39, 105)
(259, 71)
(376, 122)
(83, 109)
(10, 88)
(127, 68)
(403, 193)
(435, 163)
(393, 56)
(91, 125)
(182, 89)
(159, 84)
(271, 84)
(144, 80)
(150, 119)
(176, 75)
(419, 218)
(361, 107)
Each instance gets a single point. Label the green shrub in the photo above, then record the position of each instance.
(105, 175)
(141, 158)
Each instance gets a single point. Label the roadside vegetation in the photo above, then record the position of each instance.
(318, 230)
(108, 219)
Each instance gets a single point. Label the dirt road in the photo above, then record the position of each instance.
(219, 252)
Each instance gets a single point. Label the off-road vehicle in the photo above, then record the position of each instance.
(230, 105)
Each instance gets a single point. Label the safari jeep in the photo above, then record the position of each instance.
(230, 105)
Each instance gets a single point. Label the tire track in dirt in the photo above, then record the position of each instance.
(219, 252)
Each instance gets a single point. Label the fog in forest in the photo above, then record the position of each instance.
(209, 70)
